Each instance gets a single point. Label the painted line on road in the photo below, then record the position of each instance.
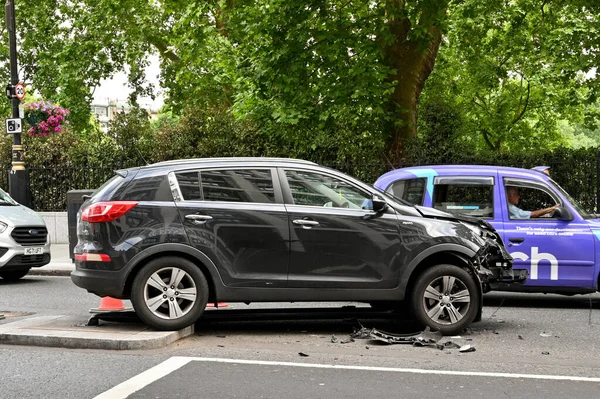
(138, 382)
(163, 369)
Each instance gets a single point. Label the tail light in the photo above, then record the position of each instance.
(92, 257)
(106, 211)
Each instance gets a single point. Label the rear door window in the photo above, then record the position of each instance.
(411, 190)
(472, 196)
(189, 184)
(242, 185)
(226, 185)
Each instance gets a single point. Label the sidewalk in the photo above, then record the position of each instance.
(60, 263)
(119, 332)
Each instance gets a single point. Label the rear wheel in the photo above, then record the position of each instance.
(13, 275)
(446, 298)
(169, 293)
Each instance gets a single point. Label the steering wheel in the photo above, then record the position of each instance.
(346, 205)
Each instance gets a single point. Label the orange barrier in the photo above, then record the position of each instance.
(109, 304)
(219, 305)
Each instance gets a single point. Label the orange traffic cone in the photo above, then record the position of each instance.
(219, 305)
(109, 304)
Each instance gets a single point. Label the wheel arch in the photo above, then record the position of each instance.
(453, 254)
(200, 259)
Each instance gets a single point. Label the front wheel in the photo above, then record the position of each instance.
(446, 298)
(13, 275)
(169, 293)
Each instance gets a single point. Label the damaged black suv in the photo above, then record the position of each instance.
(175, 235)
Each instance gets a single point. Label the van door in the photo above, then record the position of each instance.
(557, 253)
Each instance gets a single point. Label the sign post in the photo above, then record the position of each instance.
(18, 177)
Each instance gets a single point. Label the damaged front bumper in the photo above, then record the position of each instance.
(493, 265)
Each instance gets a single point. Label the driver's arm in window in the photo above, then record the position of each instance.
(512, 194)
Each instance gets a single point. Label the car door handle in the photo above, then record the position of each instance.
(198, 219)
(515, 240)
(305, 223)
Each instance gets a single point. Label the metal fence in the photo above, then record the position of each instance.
(49, 185)
(577, 172)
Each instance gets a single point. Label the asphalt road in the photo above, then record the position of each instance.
(549, 337)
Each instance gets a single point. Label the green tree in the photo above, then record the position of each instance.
(515, 69)
(294, 68)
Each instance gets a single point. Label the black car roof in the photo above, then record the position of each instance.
(226, 160)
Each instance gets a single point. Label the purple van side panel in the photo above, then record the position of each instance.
(557, 253)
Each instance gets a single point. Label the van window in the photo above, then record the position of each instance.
(462, 199)
(411, 190)
(531, 197)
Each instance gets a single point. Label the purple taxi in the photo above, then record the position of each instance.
(543, 228)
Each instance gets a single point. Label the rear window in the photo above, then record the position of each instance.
(105, 191)
(411, 190)
(464, 199)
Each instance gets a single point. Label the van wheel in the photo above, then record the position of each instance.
(13, 275)
(169, 293)
(446, 298)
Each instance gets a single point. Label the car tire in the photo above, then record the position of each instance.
(169, 293)
(446, 298)
(13, 275)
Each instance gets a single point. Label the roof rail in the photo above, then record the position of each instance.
(229, 159)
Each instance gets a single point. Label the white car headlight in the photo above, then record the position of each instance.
(3, 227)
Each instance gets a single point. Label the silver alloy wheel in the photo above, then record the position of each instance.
(170, 293)
(446, 300)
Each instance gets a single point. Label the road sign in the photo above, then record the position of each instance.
(20, 91)
(14, 126)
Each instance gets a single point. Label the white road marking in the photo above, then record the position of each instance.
(168, 366)
(138, 382)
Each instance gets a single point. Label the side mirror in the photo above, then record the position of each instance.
(562, 213)
(379, 204)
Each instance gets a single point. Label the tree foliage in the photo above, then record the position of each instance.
(303, 74)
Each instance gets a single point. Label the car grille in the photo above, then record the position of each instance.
(23, 235)
(30, 259)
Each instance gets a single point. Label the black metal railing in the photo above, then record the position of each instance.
(579, 175)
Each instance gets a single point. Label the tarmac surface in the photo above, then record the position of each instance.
(119, 330)
(60, 263)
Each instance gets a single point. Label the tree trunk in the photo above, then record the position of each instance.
(413, 61)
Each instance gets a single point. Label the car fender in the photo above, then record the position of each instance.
(461, 251)
(173, 249)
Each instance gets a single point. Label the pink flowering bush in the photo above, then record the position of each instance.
(45, 118)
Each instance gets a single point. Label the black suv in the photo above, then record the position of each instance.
(174, 235)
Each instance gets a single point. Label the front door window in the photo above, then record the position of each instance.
(315, 189)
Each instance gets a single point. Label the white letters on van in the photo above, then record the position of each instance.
(536, 257)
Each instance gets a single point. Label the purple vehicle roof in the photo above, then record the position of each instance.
(455, 170)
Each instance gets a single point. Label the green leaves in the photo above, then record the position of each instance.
(304, 72)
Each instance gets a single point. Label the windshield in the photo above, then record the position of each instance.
(582, 212)
(6, 199)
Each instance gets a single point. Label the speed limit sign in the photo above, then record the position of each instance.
(20, 91)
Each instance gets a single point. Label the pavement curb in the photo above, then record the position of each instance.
(49, 272)
(45, 331)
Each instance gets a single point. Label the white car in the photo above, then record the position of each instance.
(24, 241)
